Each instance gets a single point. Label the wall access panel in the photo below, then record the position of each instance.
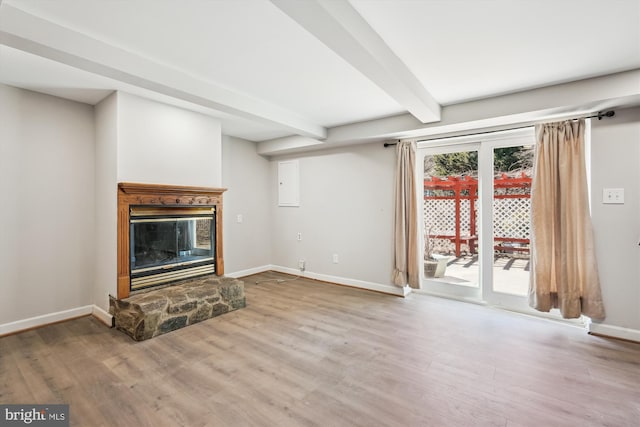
(288, 183)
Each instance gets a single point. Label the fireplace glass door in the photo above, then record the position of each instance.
(171, 244)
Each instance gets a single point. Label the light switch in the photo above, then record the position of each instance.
(613, 195)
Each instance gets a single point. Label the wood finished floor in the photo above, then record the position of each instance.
(305, 353)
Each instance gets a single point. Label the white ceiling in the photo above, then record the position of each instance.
(271, 69)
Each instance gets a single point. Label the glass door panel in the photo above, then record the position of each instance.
(507, 169)
(450, 229)
(512, 173)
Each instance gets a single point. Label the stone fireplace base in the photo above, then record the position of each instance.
(148, 314)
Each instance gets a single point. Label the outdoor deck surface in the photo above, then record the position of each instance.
(510, 274)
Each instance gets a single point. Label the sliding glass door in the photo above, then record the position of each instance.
(476, 219)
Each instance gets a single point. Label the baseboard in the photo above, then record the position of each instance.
(45, 319)
(450, 297)
(614, 331)
(371, 286)
(102, 315)
(250, 271)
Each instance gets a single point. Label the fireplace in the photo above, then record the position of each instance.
(167, 233)
(168, 244)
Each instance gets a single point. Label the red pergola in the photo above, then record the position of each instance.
(466, 187)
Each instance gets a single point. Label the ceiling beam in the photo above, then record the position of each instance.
(282, 145)
(341, 28)
(26, 32)
(557, 102)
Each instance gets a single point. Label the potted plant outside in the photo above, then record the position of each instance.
(435, 265)
(430, 263)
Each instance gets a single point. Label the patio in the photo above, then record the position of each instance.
(510, 273)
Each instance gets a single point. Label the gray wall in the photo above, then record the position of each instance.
(50, 159)
(106, 198)
(245, 174)
(615, 163)
(47, 216)
(163, 144)
(346, 199)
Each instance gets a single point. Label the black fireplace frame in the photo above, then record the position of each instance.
(179, 264)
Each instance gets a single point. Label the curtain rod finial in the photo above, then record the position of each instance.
(609, 113)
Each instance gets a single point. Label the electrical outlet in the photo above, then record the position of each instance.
(335, 258)
(613, 195)
(299, 237)
(301, 265)
(239, 218)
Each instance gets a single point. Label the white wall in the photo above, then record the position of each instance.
(616, 164)
(106, 230)
(47, 216)
(162, 144)
(245, 174)
(346, 199)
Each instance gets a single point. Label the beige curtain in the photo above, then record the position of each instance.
(564, 274)
(405, 269)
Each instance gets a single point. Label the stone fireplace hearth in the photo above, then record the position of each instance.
(170, 263)
(152, 313)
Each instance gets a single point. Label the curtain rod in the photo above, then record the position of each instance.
(600, 116)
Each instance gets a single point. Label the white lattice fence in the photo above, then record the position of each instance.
(511, 217)
(440, 215)
(510, 220)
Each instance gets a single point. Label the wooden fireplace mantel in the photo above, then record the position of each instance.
(162, 195)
